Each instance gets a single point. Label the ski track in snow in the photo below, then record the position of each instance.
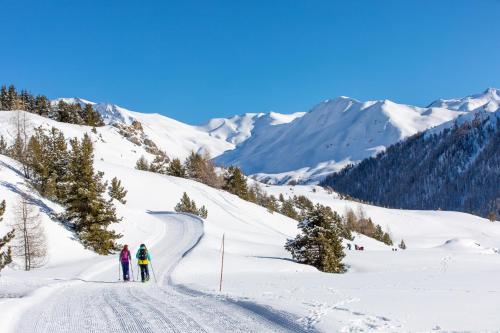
(96, 303)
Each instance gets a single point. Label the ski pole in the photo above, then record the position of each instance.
(153, 270)
(118, 270)
(131, 270)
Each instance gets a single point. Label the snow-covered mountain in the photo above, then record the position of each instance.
(239, 128)
(304, 147)
(489, 100)
(332, 134)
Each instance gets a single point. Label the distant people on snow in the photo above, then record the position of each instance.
(143, 260)
(125, 259)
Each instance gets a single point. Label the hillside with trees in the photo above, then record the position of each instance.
(11, 99)
(452, 168)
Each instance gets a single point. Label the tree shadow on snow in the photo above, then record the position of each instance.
(39, 203)
(275, 258)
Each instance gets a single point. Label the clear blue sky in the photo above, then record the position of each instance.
(193, 60)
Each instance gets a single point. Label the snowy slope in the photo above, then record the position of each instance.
(332, 134)
(175, 138)
(428, 287)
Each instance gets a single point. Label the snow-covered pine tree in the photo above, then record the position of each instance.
(402, 245)
(203, 212)
(142, 164)
(176, 169)
(87, 209)
(117, 191)
(159, 164)
(319, 243)
(5, 256)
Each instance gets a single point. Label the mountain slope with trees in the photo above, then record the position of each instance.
(455, 167)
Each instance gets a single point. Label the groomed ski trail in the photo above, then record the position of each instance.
(97, 302)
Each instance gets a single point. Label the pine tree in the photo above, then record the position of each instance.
(186, 205)
(11, 98)
(287, 209)
(235, 182)
(194, 165)
(402, 245)
(271, 203)
(176, 169)
(117, 191)
(48, 160)
(3, 98)
(86, 208)
(202, 169)
(319, 243)
(386, 238)
(378, 234)
(142, 164)
(92, 117)
(42, 106)
(159, 164)
(5, 257)
(203, 212)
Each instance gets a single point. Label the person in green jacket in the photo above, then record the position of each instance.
(143, 259)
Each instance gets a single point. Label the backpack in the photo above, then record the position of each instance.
(143, 254)
(124, 256)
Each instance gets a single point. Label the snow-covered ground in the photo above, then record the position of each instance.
(445, 281)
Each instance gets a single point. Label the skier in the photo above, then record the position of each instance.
(143, 259)
(125, 258)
